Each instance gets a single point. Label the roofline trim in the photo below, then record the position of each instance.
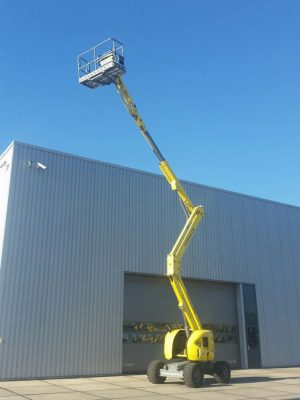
(31, 146)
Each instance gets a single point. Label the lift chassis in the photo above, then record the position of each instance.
(189, 352)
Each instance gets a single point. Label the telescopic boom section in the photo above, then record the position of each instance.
(194, 215)
(163, 164)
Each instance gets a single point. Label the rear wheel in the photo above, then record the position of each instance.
(222, 372)
(153, 372)
(193, 375)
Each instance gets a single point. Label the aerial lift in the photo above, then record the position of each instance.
(189, 352)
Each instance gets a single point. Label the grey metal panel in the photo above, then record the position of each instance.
(61, 292)
(71, 232)
(242, 326)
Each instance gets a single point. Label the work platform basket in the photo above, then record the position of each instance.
(101, 64)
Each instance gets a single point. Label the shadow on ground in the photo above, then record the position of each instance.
(251, 379)
(235, 380)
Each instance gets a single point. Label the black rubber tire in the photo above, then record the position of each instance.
(193, 375)
(222, 372)
(153, 372)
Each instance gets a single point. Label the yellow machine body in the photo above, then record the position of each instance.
(200, 345)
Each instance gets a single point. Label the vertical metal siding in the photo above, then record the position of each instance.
(74, 229)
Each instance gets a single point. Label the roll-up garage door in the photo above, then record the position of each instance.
(150, 310)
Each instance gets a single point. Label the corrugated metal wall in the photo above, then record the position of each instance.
(74, 229)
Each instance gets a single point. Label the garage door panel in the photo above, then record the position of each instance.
(136, 357)
(150, 310)
(229, 352)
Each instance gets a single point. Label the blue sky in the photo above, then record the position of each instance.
(217, 83)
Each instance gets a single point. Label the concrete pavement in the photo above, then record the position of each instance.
(271, 384)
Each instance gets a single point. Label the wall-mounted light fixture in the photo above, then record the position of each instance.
(37, 165)
(41, 166)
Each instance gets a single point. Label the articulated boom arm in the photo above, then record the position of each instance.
(163, 164)
(174, 265)
(194, 215)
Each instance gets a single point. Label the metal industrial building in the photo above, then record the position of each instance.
(82, 287)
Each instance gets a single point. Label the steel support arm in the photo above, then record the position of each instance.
(194, 216)
(174, 267)
(163, 164)
(181, 244)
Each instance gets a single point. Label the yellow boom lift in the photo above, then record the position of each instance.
(189, 352)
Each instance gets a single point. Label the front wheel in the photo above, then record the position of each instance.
(193, 375)
(153, 372)
(222, 372)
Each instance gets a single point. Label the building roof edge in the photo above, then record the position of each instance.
(17, 143)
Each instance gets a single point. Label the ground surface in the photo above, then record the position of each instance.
(273, 384)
